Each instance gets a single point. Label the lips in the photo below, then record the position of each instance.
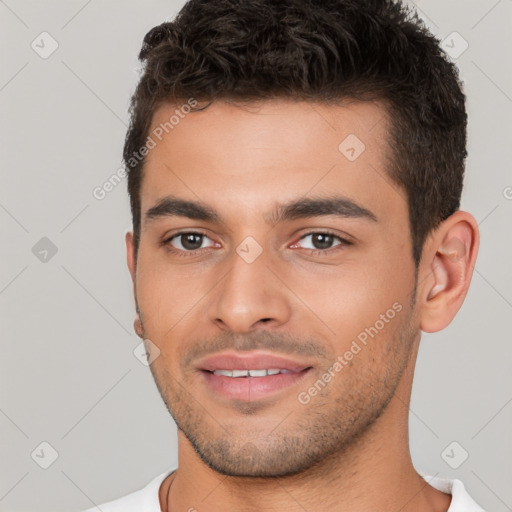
(250, 361)
(250, 376)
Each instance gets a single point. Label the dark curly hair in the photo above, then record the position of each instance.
(323, 51)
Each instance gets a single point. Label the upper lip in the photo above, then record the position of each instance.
(249, 361)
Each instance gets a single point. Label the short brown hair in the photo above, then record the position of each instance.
(317, 50)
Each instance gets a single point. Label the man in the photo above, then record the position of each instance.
(295, 171)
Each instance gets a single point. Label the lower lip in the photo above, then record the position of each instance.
(251, 388)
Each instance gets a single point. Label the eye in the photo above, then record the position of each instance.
(189, 241)
(320, 241)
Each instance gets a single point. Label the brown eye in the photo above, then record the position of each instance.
(320, 241)
(188, 241)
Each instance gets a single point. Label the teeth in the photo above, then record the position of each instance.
(250, 373)
(226, 373)
(257, 373)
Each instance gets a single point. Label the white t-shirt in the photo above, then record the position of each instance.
(147, 500)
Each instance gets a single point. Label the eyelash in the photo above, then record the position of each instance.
(182, 253)
(178, 252)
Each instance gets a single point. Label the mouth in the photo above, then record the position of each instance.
(251, 373)
(250, 376)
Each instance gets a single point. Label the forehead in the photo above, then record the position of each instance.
(245, 158)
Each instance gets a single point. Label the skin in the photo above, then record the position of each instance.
(277, 453)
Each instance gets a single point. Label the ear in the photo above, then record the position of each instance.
(131, 260)
(446, 269)
(130, 254)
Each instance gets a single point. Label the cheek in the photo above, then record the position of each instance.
(161, 297)
(171, 298)
(357, 299)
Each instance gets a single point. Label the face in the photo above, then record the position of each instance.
(272, 239)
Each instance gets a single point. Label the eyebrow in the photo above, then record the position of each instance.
(172, 206)
(322, 206)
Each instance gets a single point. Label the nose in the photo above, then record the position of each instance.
(250, 296)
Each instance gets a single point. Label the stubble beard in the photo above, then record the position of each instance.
(312, 436)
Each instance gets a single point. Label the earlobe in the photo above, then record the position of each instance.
(137, 326)
(448, 268)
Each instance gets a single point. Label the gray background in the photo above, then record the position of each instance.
(68, 375)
